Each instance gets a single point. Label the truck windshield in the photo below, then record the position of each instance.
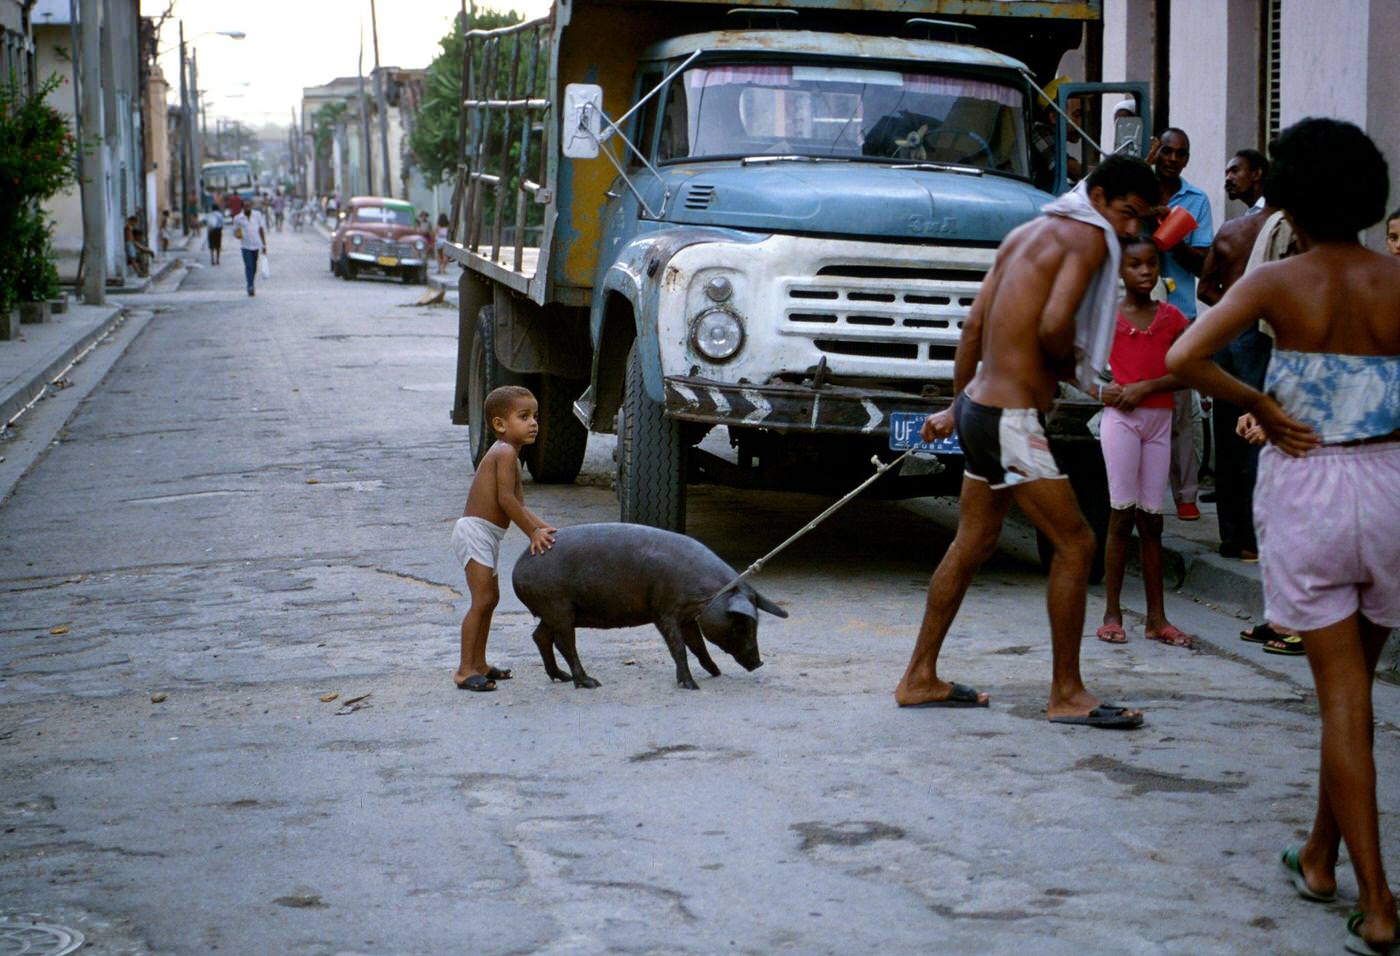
(844, 112)
(394, 215)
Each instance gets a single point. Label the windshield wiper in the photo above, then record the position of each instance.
(753, 160)
(944, 168)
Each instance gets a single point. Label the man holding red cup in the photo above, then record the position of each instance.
(1184, 236)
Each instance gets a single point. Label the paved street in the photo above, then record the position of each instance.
(252, 510)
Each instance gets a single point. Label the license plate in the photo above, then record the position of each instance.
(904, 434)
(387, 261)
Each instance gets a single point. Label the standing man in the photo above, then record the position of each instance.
(1045, 312)
(1246, 358)
(1181, 265)
(250, 228)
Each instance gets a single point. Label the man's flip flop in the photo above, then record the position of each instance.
(1289, 645)
(497, 673)
(1172, 636)
(477, 683)
(1112, 634)
(1356, 943)
(1106, 716)
(1289, 859)
(960, 696)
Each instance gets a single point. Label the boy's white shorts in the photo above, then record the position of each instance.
(479, 540)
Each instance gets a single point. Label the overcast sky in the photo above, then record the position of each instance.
(292, 44)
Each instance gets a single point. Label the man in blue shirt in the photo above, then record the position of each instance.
(1181, 265)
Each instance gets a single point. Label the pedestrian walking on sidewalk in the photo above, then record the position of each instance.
(214, 220)
(1327, 503)
(1044, 313)
(250, 228)
(1136, 437)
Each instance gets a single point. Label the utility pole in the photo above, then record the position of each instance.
(364, 115)
(196, 136)
(94, 158)
(184, 138)
(381, 105)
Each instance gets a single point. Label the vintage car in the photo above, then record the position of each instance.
(380, 235)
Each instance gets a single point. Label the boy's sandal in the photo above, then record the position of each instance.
(477, 683)
(1356, 943)
(1172, 635)
(1289, 645)
(1112, 634)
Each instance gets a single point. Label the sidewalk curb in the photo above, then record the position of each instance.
(20, 396)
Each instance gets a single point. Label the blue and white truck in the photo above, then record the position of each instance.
(677, 215)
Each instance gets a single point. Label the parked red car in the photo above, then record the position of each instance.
(380, 235)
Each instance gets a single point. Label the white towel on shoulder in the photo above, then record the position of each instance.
(1097, 315)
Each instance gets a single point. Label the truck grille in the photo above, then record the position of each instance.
(385, 247)
(905, 313)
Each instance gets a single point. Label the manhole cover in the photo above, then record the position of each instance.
(37, 939)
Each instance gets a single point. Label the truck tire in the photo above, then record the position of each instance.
(1082, 462)
(484, 373)
(650, 457)
(347, 268)
(556, 457)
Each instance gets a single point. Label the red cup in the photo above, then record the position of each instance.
(1176, 227)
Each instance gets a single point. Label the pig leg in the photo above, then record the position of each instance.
(564, 640)
(545, 643)
(676, 645)
(696, 642)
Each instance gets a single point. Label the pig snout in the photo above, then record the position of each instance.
(750, 663)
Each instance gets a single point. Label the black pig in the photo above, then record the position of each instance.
(626, 575)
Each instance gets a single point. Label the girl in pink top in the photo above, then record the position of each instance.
(1136, 438)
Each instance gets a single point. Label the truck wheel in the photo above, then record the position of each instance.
(650, 457)
(407, 274)
(485, 374)
(557, 454)
(1082, 462)
(347, 269)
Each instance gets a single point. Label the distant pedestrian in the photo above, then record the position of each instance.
(1171, 151)
(1392, 233)
(138, 254)
(1136, 437)
(250, 228)
(496, 499)
(214, 222)
(1247, 357)
(443, 225)
(1327, 504)
(166, 233)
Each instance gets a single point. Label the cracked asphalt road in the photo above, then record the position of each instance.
(253, 509)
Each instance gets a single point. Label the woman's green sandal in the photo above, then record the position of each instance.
(1290, 862)
(1357, 944)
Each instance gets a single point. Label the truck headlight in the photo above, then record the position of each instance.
(717, 335)
(418, 244)
(719, 289)
(357, 240)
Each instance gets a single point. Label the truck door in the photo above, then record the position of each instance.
(1100, 132)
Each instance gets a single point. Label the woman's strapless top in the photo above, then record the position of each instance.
(1343, 397)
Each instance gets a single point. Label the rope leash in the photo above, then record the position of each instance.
(880, 469)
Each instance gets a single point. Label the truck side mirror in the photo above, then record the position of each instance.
(583, 120)
(1128, 138)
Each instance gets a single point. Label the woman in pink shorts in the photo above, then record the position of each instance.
(1136, 436)
(1327, 501)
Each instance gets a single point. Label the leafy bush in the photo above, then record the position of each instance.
(37, 159)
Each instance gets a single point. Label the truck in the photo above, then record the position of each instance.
(743, 236)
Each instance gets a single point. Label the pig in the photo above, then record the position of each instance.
(626, 575)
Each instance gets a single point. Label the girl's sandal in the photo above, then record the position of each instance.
(1112, 634)
(1356, 943)
(1172, 635)
(1289, 645)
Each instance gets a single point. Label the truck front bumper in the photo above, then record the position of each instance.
(832, 409)
(372, 260)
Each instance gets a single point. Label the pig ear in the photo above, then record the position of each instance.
(740, 603)
(766, 605)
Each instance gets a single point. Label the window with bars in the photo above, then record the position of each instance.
(1271, 72)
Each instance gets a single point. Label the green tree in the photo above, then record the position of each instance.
(434, 137)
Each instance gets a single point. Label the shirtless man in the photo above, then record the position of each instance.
(1022, 330)
(1247, 357)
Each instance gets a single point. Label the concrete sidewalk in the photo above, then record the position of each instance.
(29, 364)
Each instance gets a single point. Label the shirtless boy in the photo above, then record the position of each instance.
(495, 500)
(1022, 330)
